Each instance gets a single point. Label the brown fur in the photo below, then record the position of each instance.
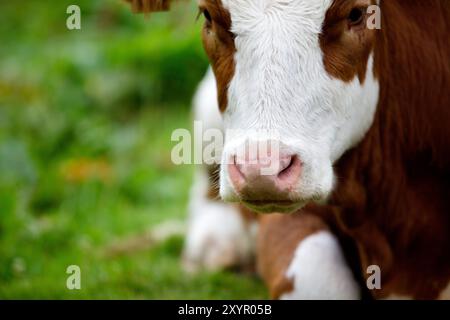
(218, 42)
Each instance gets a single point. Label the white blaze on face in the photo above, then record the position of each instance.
(280, 83)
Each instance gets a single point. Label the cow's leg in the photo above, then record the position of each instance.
(219, 235)
(299, 258)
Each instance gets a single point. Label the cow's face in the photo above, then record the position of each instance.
(298, 73)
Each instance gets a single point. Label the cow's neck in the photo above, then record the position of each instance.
(413, 69)
(393, 193)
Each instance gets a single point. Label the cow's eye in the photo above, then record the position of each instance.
(356, 17)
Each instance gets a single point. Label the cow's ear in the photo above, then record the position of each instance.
(146, 6)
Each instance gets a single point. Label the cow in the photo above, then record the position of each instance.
(363, 147)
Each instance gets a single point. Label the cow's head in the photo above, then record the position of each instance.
(298, 73)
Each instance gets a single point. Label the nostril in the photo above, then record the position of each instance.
(291, 169)
(285, 164)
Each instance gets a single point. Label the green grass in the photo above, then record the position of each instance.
(85, 124)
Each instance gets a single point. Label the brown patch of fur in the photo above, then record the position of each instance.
(346, 48)
(218, 42)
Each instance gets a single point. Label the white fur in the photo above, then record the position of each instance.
(280, 84)
(217, 236)
(206, 107)
(319, 271)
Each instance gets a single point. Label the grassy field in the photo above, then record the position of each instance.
(85, 123)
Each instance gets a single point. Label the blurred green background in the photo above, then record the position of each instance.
(85, 171)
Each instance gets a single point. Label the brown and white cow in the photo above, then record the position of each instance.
(363, 118)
